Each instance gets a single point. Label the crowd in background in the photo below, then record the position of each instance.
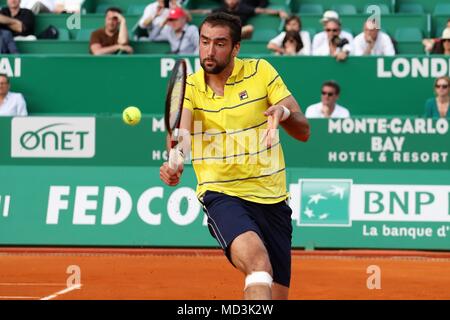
(167, 20)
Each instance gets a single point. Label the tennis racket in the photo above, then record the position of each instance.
(173, 111)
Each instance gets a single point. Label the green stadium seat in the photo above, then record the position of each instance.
(413, 8)
(203, 4)
(310, 8)
(84, 34)
(408, 34)
(344, 8)
(197, 19)
(136, 9)
(102, 7)
(266, 22)
(263, 35)
(63, 34)
(442, 9)
(311, 31)
(384, 9)
(348, 30)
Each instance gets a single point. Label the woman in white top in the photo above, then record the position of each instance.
(293, 23)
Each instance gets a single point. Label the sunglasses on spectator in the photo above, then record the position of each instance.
(331, 30)
(443, 86)
(329, 94)
(445, 40)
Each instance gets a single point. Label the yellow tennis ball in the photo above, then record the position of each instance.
(131, 116)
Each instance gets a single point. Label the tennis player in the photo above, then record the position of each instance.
(243, 195)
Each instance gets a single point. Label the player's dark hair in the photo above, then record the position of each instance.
(333, 84)
(113, 9)
(227, 20)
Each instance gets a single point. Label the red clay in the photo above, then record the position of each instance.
(206, 274)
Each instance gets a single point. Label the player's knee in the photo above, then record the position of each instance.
(258, 278)
(260, 263)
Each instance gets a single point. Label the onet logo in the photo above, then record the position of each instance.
(39, 137)
(42, 138)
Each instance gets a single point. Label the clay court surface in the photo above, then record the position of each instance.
(206, 274)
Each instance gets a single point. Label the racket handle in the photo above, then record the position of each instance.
(176, 158)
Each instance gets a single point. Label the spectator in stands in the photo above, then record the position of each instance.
(7, 43)
(155, 14)
(292, 44)
(328, 108)
(332, 41)
(437, 107)
(245, 12)
(442, 46)
(11, 103)
(435, 46)
(113, 38)
(182, 37)
(18, 20)
(256, 3)
(293, 23)
(68, 6)
(38, 6)
(373, 42)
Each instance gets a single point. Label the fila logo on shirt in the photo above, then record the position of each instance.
(243, 95)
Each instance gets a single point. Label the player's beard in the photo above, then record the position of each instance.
(217, 68)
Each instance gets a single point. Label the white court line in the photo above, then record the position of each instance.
(59, 293)
(17, 297)
(31, 284)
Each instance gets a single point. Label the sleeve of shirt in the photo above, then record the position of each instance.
(21, 106)
(428, 109)
(388, 46)
(306, 39)
(160, 33)
(28, 23)
(247, 10)
(358, 46)
(276, 89)
(195, 38)
(148, 12)
(95, 38)
(278, 40)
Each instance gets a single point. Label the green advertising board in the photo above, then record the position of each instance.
(95, 181)
(375, 86)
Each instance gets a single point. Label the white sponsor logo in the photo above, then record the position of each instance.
(53, 137)
(368, 202)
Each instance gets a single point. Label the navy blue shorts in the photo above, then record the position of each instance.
(228, 217)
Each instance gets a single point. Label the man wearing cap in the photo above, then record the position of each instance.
(182, 37)
(155, 14)
(326, 43)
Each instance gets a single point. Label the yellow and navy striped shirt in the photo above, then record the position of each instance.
(228, 152)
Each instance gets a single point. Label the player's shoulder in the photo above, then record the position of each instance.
(254, 66)
(195, 80)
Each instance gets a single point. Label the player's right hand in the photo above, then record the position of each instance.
(169, 176)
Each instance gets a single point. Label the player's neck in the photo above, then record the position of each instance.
(217, 81)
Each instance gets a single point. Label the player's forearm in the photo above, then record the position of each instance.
(297, 126)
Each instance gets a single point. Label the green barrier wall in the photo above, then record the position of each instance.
(93, 85)
(95, 181)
